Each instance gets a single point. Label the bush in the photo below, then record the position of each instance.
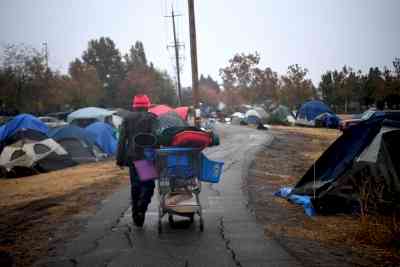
(379, 213)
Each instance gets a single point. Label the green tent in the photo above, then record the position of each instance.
(280, 115)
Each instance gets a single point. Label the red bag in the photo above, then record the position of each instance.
(195, 139)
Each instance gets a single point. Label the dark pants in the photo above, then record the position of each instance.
(141, 192)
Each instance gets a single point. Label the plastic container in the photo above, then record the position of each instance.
(211, 170)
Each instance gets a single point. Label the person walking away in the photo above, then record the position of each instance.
(140, 121)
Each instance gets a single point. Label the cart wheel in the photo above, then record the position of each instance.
(171, 220)
(201, 225)
(159, 227)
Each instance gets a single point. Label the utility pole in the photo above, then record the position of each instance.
(193, 56)
(178, 71)
(46, 55)
(46, 73)
(176, 47)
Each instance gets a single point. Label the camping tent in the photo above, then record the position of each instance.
(309, 110)
(238, 114)
(263, 114)
(123, 113)
(104, 137)
(116, 121)
(256, 116)
(373, 143)
(170, 119)
(80, 144)
(327, 120)
(2, 129)
(22, 122)
(85, 116)
(237, 117)
(280, 115)
(183, 112)
(252, 117)
(45, 155)
(160, 109)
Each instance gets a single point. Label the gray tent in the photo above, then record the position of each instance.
(380, 158)
(44, 155)
(236, 118)
(80, 144)
(256, 116)
(366, 152)
(86, 116)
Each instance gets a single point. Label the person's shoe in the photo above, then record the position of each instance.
(138, 219)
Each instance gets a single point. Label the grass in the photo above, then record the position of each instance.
(37, 212)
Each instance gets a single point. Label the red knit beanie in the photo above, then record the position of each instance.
(141, 101)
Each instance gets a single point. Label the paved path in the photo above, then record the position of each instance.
(231, 236)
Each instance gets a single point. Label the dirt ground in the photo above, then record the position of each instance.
(35, 210)
(317, 241)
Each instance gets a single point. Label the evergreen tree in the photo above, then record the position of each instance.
(106, 58)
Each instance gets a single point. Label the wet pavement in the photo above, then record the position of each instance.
(231, 234)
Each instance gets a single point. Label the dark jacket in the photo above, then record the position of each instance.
(133, 124)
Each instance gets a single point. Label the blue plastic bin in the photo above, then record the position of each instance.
(174, 161)
(211, 170)
(180, 161)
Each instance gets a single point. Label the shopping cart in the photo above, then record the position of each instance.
(179, 170)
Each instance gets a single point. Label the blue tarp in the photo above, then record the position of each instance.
(105, 138)
(22, 122)
(305, 201)
(72, 131)
(312, 109)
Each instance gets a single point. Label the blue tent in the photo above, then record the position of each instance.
(253, 120)
(311, 109)
(2, 129)
(72, 132)
(79, 143)
(104, 137)
(327, 120)
(255, 116)
(20, 123)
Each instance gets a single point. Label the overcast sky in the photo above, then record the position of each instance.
(317, 34)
